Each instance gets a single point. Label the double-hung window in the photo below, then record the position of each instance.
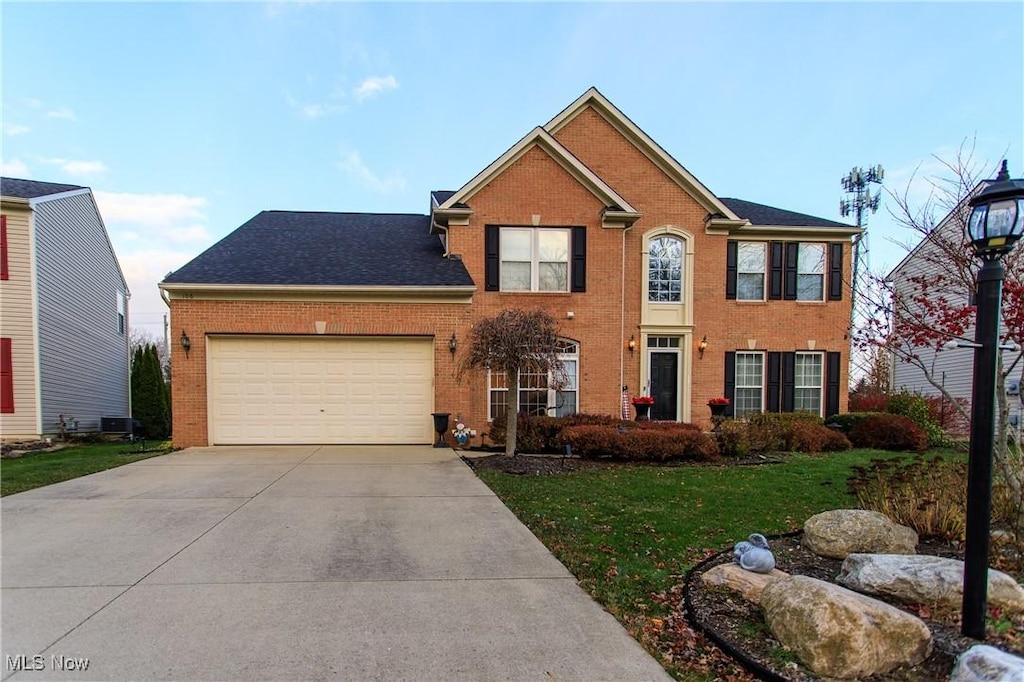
(120, 313)
(539, 392)
(534, 259)
(750, 267)
(807, 383)
(749, 391)
(810, 272)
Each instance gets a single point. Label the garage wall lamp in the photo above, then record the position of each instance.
(453, 344)
(632, 343)
(703, 345)
(186, 343)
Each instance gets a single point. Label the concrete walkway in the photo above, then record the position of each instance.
(359, 563)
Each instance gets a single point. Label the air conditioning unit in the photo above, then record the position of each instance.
(116, 424)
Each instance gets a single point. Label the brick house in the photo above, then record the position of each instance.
(345, 328)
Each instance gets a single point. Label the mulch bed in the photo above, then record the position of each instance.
(741, 626)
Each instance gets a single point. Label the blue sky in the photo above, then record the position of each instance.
(187, 119)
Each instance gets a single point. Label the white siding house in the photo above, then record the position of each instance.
(63, 313)
(952, 368)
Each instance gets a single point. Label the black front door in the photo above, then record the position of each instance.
(665, 385)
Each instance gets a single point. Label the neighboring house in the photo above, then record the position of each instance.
(63, 313)
(951, 368)
(348, 328)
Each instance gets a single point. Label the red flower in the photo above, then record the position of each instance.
(718, 401)
(643, 400)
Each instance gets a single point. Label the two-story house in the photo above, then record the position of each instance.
(64, 358)
(347, 328)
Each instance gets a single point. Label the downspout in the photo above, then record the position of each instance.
(622, 320)
(445, 241)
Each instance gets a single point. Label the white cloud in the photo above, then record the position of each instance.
(14, 168)
(144, 269)
(62, 113)
(313, 110)
(352, 165)
(78, 168)
(13, 129)
(150, 210)
(373, 86)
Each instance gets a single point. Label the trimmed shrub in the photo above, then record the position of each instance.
(865, 401)
(806, 436)
(916, 409)
(543, 435)
(888, 432)
(845, 422)
(771, 431)
(733, 439)
(641, 444)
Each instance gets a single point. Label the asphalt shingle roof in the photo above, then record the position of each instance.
(341, 249)
(32, 189)
(441, 195)
(759, 214)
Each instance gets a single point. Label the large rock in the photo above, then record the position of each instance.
(983, 663)
(839, 533)
(747, 583)
(839, 633)
(920, 579)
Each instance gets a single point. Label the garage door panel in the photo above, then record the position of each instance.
(320, 390)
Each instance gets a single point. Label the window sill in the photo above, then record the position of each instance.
(811, 302)
(535, 293)
(751, 302)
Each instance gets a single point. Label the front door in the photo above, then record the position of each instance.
(665, 385)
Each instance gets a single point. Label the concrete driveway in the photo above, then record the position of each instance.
(293, 563)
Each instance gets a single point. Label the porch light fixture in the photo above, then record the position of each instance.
(703, 345)
(453, 344)
(186, 343)
(995, 225)
(632, 343)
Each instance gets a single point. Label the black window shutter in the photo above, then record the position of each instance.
(579, 259)
(789, 271)
(730, 270)
(788, 381)
(492, 258)
(730, 381)
(774, 381)
(832, 383)
(775, 278)
(835, 271)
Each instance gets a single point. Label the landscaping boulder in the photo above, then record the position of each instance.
(839, 533)
(838, 633)
(983, 663)
(747, 583)
(922, 579)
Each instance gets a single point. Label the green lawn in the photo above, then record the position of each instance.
(628, 532)
(35, 470)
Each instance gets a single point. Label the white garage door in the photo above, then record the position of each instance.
(277, 390)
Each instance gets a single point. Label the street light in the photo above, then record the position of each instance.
(995, 225)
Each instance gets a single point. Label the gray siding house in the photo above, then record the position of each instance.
(952, 368)
(63, 313)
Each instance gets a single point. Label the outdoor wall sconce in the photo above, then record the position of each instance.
(632, 343)
(186, 343)
(703, 345)
(453, 344)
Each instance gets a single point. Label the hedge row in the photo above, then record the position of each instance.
(881, 430)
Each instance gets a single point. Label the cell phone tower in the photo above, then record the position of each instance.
(859, 201)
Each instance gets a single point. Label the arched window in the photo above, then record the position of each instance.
(665, 270)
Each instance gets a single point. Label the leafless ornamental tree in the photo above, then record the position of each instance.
(514, 341)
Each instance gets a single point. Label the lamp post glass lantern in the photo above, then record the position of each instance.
(995, 225)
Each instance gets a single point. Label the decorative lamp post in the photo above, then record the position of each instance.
(995, 225)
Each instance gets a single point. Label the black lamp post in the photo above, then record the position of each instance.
(995, 225)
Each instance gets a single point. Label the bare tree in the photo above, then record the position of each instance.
(915, 318)
(512, 342)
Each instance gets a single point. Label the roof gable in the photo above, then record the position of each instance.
(593, 99)
(541, 139)
(296, 248)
